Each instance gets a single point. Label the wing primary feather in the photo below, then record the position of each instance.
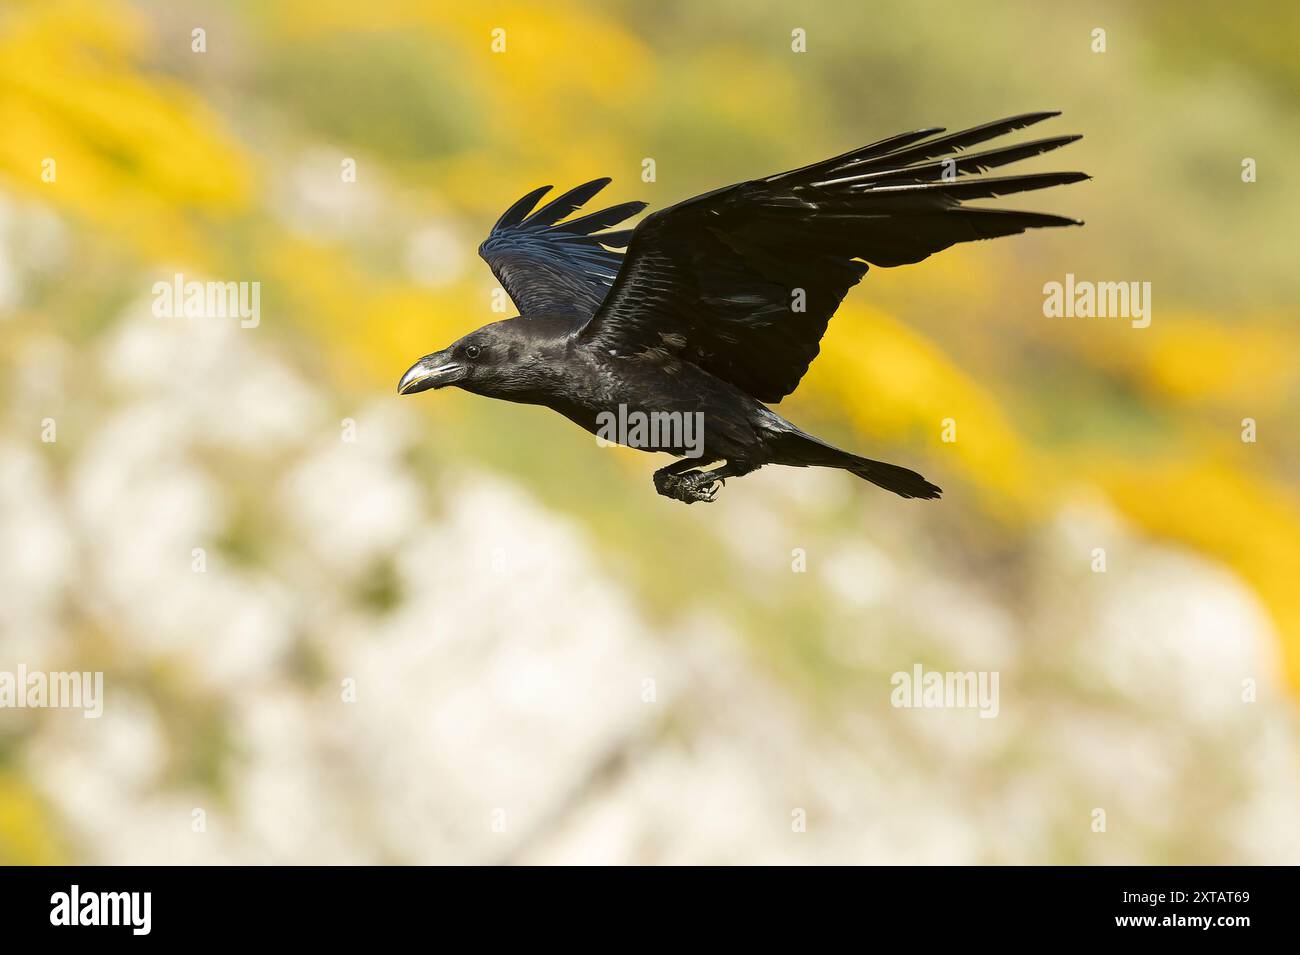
(859, 155)
(970, 137)
(907, 148)
(558, 208)
(594, 222)
(994, 223)
(973, 162)
(521, 207)
(987, 187)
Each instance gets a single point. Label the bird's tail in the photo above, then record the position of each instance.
(799, 449)
(891, 477)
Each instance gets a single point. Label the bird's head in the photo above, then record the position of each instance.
(496, 360)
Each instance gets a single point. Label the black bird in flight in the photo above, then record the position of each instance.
(720, 301)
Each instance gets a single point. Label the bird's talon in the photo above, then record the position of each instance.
(700, 487)
(690, 487)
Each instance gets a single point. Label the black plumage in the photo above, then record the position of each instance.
(720, 302)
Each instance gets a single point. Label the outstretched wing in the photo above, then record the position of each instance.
(743, 280)
(565, 268)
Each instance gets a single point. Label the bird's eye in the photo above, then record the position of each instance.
(471, 351)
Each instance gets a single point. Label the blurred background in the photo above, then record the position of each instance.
(445, 629)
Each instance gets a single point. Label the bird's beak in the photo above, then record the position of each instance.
(432, 371)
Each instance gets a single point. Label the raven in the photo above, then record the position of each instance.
(719, 303)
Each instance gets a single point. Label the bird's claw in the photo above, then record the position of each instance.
(689, 487)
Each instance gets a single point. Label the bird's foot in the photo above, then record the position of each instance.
(689, 487)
